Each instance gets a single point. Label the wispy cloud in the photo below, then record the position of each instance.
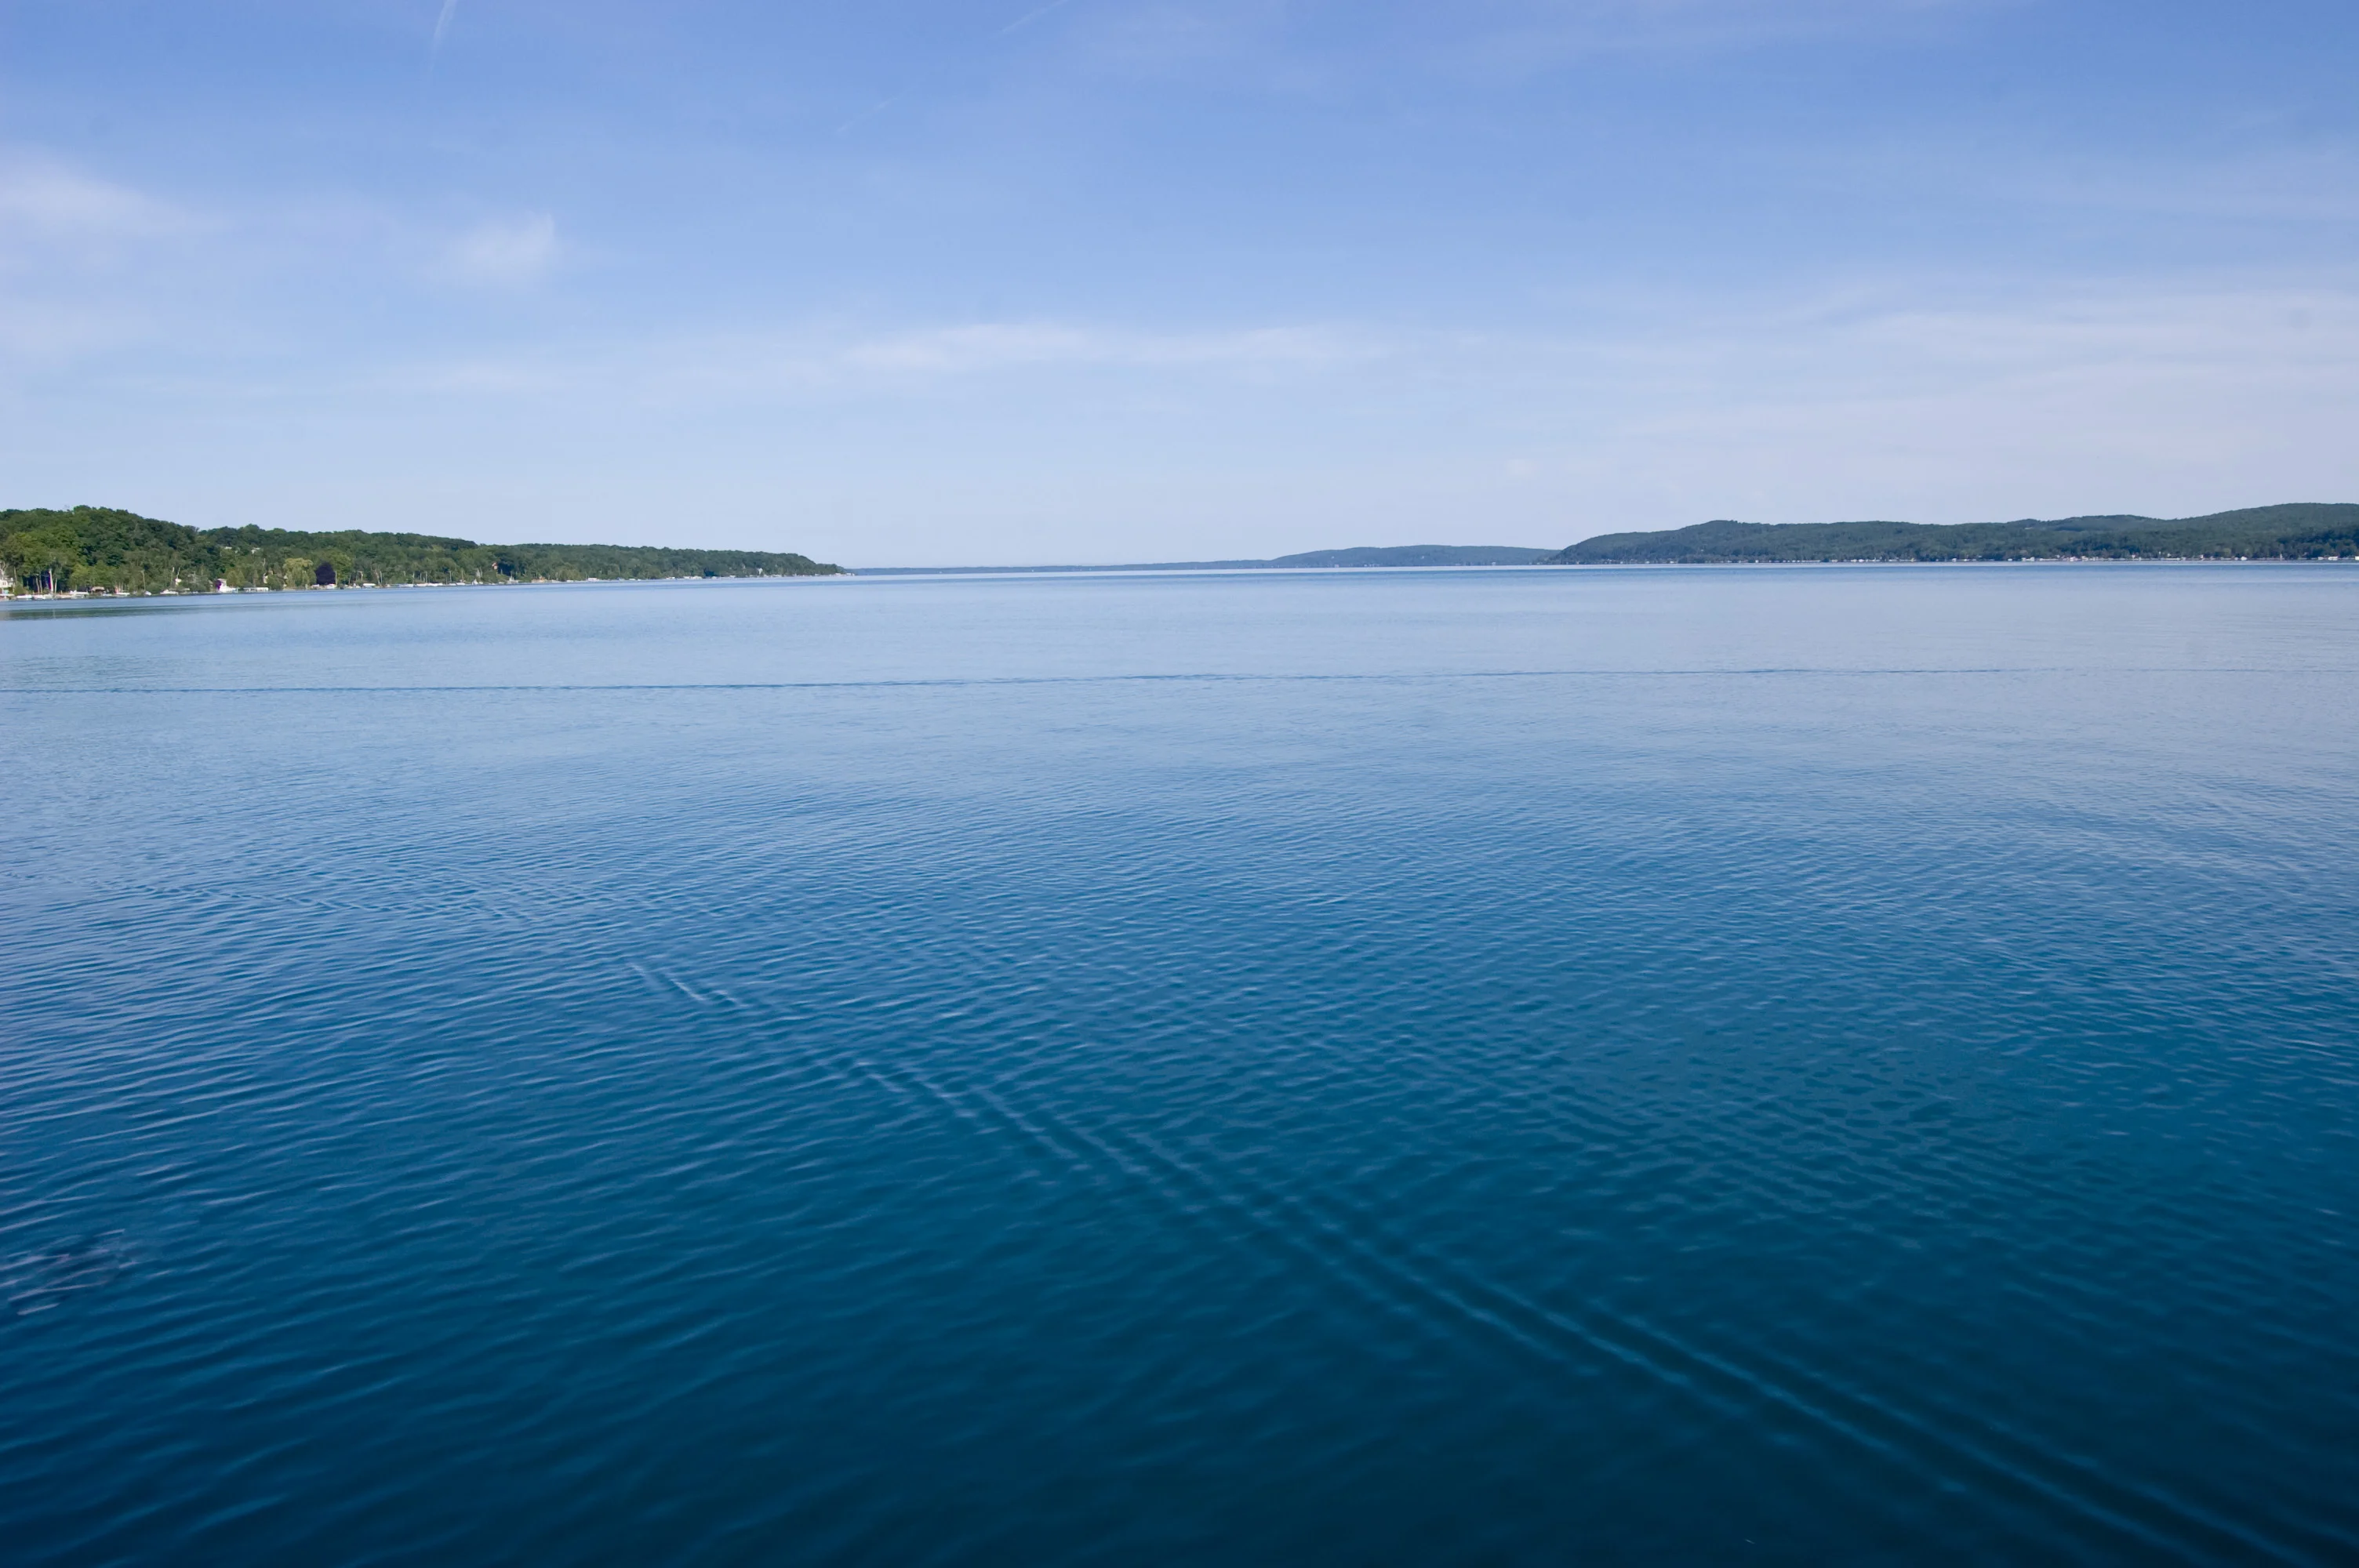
(73, 251)
(1872, 401)
(1034, 15)
(502, 252)
(49, 200)
(2167, 400)
(2304, 185)
(832, 361)
(983, 347)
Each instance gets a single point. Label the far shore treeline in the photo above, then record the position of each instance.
(2303, 531)
(99, 549)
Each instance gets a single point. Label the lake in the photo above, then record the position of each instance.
(1752, 1064)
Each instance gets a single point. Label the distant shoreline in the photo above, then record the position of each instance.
(1357, 556)
(2292, 531)
(104, 552)
(90, 552)
(1180, 571)
(23, 596)
(848, 575)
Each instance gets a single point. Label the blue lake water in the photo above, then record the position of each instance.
(1796, 1065)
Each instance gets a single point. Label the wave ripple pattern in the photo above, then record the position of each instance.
(1782, 1065)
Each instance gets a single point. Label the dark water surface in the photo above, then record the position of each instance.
(1805, 1066)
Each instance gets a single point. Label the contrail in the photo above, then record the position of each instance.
(450, 9)
(872, 108)
(1033, 16)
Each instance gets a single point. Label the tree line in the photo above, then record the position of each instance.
(102, 549)
(2301, 531)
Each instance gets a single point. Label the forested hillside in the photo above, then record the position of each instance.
(2307, 531)
(102, 549)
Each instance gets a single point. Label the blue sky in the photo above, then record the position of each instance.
(905, 282)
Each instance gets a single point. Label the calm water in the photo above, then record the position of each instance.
(1796, 1065)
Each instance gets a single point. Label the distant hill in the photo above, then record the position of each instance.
(2303, 531)
(1357, 556)
(100, 550)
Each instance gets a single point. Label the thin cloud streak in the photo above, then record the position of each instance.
(44, 198)
(827, 363)
(503, 252)
(1033, 16)
(901, 444)
(1664, 356)
(1025, 20)
(986, 347)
